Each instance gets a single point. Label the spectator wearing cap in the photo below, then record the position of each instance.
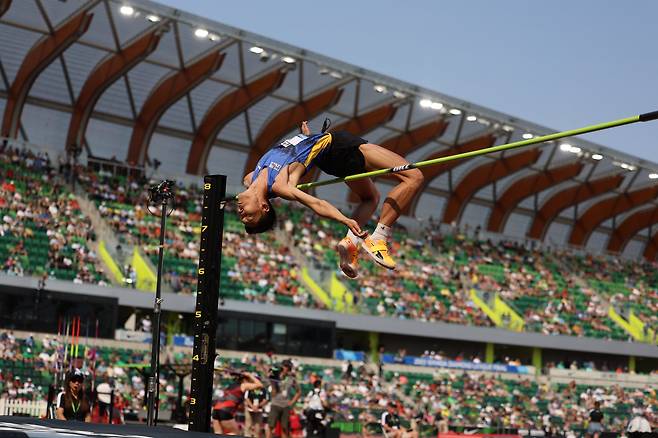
(72, 404)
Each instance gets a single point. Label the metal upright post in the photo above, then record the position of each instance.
(160, 194)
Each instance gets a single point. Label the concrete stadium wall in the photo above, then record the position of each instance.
(365, 323)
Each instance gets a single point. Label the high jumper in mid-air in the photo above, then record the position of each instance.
(339, 154)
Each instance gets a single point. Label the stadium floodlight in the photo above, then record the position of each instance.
(201, 33)
(527, 136)
(399, 94)
(653, 176)
(597, 157)
(380, 88)
(565, 147)
(575, 150)
(508, 128)
(257, 50)
(153, 18)
(288, 60)
(336, 75)
(213, 37)
(472, 118)
(127, 10)
(436, 105)
(425, 103)
(455, 111)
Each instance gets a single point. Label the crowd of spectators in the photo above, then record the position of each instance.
(555, 292)
(43, 230)
(356, 392)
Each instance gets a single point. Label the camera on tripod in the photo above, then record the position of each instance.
(162, 192)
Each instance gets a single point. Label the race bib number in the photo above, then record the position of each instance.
(293, 140)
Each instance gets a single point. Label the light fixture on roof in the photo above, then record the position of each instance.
(324, 71)
(508, 128)
(380, 88)
(455, 111)
(575, 150)
(436, 105)
(597, 157)
(484, 122)
(127, 10)
(399, 94)
(288, 59)
(653, 176)
(201, 33)
(425, 103)
(153, 18)
(336, 75)
(472, 118)
(213, 37)
(527, 136)
(257, 50)
(566, 147)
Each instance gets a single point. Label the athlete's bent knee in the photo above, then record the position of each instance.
(415, 177)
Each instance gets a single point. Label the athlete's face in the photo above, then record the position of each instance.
(251, 209)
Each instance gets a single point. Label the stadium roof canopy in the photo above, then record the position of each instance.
(139, 81)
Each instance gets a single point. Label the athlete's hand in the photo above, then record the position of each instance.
(305, 129)
(356, 229)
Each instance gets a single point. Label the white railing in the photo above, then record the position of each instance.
(22, 407)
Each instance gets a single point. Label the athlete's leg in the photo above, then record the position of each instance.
(397, 201)
(229, 427)
(348, 248)
(368, 200)
(409, 181)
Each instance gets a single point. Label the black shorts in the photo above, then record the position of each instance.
(342, 157)
(222, 415)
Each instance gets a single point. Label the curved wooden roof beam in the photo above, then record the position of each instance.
(4, 6)
(168, 91)
(106, 72)
(41, 55)
(568, 198)
(632, 225)
(225, 109)
(606, 209)
(525, 187)
(481, 177)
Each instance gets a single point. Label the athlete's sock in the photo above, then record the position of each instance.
(382, 232)
(355, 240)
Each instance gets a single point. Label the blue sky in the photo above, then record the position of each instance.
(560, 63)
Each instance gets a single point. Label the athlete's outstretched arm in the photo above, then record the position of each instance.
(319, 206)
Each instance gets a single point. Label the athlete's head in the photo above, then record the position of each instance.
(256, 212)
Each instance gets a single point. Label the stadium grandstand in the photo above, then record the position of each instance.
(526, 288)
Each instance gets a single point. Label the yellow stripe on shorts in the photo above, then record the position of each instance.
(318, 147)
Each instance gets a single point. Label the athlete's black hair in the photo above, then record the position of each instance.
(266, 223)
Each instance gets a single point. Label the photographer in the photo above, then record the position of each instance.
(316, 409)
(281, 388)
(225, 409)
